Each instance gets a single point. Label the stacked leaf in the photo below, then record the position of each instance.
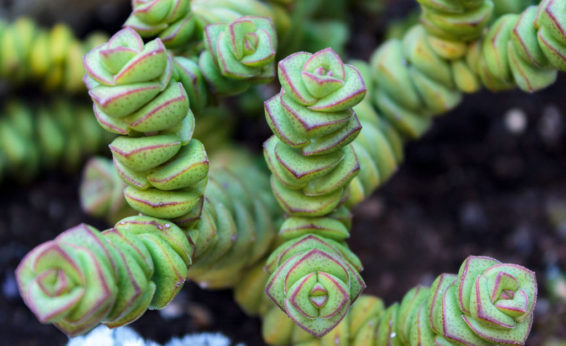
(101, 189)
(424, 73)
(502, 7)
(226, 11)
(314, 276)
(188, 72)
(58, 134)
(523, 50)
(85, 277)
(379, 146)
(486, 303)
(237, 226)
(49, 58)
(136, 97)
(458, 21)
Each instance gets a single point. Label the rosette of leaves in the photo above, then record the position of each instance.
(136, 97)
(59, 134)
(50, 58)
(83, 277)
(248, 291)
(238, 53)
(170, 20)
(487, 303)
(279, 329)
(314, 276)
(315, 280)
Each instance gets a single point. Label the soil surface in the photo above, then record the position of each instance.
(488, 179)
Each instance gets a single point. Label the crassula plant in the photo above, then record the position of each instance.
(50, 58)
(133, 92)
(315, 277)
(55, 134)
(338, 133)
(238, 53)
(487, 302)
(171, 20)
(83, 278)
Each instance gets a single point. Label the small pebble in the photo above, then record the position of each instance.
(516, 121)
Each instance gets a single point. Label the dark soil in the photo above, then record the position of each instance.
(470, 186)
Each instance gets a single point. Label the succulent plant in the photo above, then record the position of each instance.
(379, 146)
(535, 53)
(84, 277)
(442, 76)
(432, 66)
(237, 53)
(486, 303)
(57, 134)
(170, 20)
(502, 7)
(226, 11)
(315, 277)
(238, 224)
(133, 92)
(50, 58)
(101, 191)
(216, 228)
(239, 219)
(460, 20)
(313, 123)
